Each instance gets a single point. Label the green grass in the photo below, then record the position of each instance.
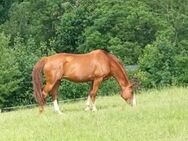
(160, 115)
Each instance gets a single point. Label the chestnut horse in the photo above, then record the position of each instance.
(95, 66)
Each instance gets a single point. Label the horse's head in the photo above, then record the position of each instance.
(128, 96)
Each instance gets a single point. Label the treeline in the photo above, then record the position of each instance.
(152, 34)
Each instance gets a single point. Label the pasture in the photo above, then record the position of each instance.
(160, 115)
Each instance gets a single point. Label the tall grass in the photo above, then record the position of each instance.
(160, 115)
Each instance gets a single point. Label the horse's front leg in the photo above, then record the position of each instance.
(88, 104)
(91, 101)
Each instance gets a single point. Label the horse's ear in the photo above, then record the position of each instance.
(134, 83)
(131, 85)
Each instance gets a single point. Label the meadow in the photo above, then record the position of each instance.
(160, 115)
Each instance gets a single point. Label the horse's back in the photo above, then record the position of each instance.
(86, 67)
(79, 67)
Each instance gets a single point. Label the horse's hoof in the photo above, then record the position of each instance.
(60, 113)
(41, 109)
(87, 109)
(94, 109)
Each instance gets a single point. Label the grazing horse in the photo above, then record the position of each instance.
(94, 66)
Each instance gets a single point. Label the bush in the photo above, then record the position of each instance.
(162, 64)
(181, 63)
(27, 54)
(18, 62)
(9, 72)
(157, 65)
(71, 90)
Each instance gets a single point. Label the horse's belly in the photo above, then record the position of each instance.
(79, 77)
(78, 74)
(84, 71)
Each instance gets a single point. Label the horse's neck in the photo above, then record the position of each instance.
(121, 75)
(122, 80)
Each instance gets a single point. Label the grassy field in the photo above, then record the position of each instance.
(160, 115)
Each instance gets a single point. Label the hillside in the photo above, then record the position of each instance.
(160, 115)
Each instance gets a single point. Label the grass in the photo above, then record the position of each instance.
(160, 115)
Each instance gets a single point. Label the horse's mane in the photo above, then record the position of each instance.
(120, 64)
(105, 49)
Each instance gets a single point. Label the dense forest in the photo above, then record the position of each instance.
(152, 34)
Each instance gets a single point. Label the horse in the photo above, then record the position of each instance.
(94, 67)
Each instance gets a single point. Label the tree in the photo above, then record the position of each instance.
(124, 27)
(4, 9)
(76, 17)
(9, 72)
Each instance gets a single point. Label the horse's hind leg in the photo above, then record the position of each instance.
(54, 93)
(47, 88)
(50, 82)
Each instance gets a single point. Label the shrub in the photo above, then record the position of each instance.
(157, 64)
(9, 72)
(70, 90)
(164, 62)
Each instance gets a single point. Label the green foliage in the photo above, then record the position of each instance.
(9, 72)
(157, 64)
(162, 65)
(124, 29)
(26, 56)
(69, 90)
(164, 62)
(152, 34)
(181, 63)
(35, 18)
(4, 9)
(69, 31)
(23, 57)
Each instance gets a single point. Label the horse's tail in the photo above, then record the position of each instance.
(37, 82)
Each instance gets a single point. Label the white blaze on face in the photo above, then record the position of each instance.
(134, 100)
